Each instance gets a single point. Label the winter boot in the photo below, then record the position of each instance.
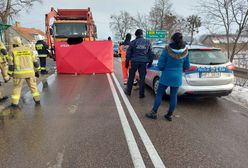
(152, 115)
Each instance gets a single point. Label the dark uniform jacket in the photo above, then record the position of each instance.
(139, 50)
(41, 47)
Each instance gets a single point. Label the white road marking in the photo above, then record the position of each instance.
(132, 145)
(156, 160)
(59, 160)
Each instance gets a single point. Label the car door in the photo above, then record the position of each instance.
(153, 72)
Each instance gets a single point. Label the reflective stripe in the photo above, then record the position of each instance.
(38, 69)
(22, 53)
(42, 55)
(24, 72)
(39, 46)
(15, 97)
(35, 94)
(43, 68)
(10, 72)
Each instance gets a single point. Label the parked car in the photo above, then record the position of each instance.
(210, 73)
(116, 48)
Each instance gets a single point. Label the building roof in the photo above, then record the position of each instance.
(28, 33)
(221, 38)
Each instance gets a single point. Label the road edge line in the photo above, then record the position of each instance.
(156, 160)
(132, 145)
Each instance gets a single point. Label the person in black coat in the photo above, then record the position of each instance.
(140, 53)
(42, 49)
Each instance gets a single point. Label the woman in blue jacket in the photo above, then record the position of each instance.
(173, 60)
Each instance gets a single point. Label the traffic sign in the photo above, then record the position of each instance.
(156, 34)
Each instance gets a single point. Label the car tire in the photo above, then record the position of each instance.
(155, 85)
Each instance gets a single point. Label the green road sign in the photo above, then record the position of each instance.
(4, 26)
(156, 34)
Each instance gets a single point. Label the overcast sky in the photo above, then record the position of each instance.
(102, 9)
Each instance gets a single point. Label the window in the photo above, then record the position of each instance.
(157, 51)
(207, 57)
(70, 30)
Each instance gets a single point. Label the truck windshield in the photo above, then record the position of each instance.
(70, 30)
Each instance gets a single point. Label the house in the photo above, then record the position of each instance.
(29, 36)
(220, 41)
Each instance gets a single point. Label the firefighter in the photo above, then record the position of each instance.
(23, 65)
(42, 49)
(3, 68)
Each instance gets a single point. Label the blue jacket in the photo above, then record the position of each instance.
(139, 50)
(172, 63)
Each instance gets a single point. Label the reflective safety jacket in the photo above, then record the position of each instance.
(22, 62)
(123, 52)
(42, 48)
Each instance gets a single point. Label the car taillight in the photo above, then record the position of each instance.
(191, 68)
(230, 67)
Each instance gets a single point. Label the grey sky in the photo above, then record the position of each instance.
(102, 9)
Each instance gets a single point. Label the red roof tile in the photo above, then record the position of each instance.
(28, 33)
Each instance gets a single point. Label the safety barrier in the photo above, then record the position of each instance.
(241, 72)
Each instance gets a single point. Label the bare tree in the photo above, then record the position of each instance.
(193, 25)
(142, 22)
(9, 9)
(232, 15)
(121, 24)
(159, 12)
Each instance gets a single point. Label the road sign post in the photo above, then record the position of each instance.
(2, 28)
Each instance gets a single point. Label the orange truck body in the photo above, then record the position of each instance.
(69, 23)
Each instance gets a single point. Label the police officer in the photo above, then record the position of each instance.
(23, 65)
(140, 54)
(3, 68)
(42, 49)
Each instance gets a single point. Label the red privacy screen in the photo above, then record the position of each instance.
(84, 58)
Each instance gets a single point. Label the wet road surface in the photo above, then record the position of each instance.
(78, 125)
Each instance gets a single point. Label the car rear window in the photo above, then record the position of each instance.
(157, 51)
(207, 57)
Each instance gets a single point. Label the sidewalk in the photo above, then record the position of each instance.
(7, 87)
(239, 96)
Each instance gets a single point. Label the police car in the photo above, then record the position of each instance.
(210, 73)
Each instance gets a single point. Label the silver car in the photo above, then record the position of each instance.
(210, 73)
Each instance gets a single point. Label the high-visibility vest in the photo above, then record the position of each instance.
(123, 52)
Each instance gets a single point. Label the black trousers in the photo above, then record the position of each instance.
(43, 63)
(141, 67)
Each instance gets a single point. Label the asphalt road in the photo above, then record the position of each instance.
(82, 123)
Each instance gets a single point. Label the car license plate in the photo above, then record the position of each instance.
(211, 75)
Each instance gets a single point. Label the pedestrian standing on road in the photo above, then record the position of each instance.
(3, 68)
(123, 51)
(140, 54)
(23, 65)
(173, 60)
(42, 49)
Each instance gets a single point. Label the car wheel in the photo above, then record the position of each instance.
(155, 85)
